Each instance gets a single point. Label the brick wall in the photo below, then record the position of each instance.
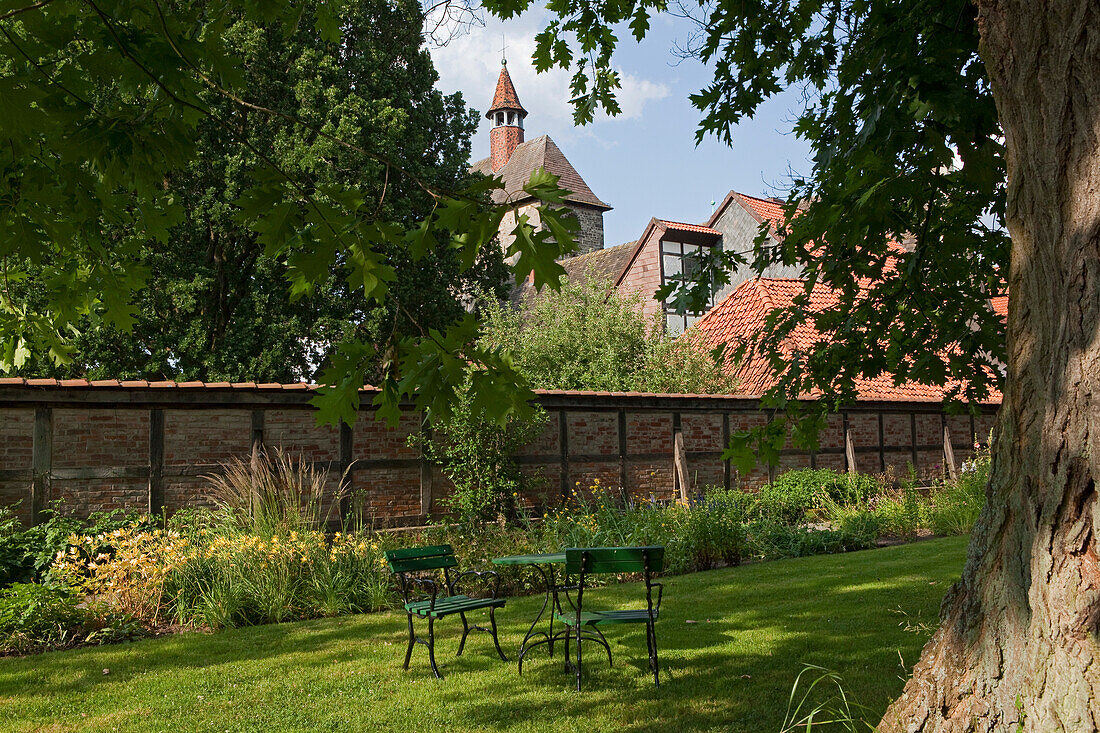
(644, 277)
(98, 448)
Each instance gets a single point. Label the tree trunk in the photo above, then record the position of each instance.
(1018, 646)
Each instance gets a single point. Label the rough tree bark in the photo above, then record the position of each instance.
(1018, 646)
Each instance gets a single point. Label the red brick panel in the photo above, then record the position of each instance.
(644, 277)
(583, 476)
(899, 461)
(929, 429)
(17, 494)
(84, 496)
(206, 436)
(982, 425)
(649, 432)
(297, 433)
(705, 473)
(547, 443)
(959, 425)
(16, 438)
(373, 439)
(868, 462)
(543, 485)
(896, 431)
(790, 462)
(100, 438)
(593, 433)
(383, 495)
(702, 432)
(835, 461)
(649, 478)
(832, 435)
(181, 492)
(929, 463)
(864, 429)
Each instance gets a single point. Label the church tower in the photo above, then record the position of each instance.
(513, 159)
(506, 115)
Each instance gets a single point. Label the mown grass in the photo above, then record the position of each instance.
(730, 669)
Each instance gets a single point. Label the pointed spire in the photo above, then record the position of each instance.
(507, 116)
(505, 97)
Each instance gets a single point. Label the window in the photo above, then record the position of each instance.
(680, 264)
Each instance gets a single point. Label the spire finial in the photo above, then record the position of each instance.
(503, 48)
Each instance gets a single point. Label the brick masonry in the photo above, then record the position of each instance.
(147, 449)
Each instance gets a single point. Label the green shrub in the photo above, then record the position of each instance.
(709, 533)
(27, 552)
(590, 335)
(903, 513)
(769, 540)
(477, 455)
(33, 616)
(956, 507)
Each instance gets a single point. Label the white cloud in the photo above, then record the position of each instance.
(635, 94)
(471, 63)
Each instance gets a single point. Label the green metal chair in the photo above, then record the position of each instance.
(582, 562)
(440, 605)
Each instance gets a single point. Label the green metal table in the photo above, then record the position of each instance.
(535, 637)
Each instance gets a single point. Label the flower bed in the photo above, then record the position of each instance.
(239, 566)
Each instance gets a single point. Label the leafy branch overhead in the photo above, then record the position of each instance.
(105, 102)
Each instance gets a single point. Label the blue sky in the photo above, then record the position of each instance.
(644, 162)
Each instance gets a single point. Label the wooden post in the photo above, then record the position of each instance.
(156, 460)
(727, 479)
(679, 463)
(850, 452)
(257, 449)
(347, 476)
(41, 462)
(881, 443)
(427, 472)
(563, 446)
(949, 454)
(622, 450)
(913, 438)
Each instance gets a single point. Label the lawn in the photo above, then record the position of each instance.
(732, 642)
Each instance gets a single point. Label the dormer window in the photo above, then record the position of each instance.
(680, 264)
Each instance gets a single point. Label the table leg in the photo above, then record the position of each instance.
(535, 637)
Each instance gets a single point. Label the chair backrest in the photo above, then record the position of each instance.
(614, 559)
(421, 558)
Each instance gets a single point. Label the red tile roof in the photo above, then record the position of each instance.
(741, 315)
(769, 209)
(505, 96)
(683, 227)
(296, 386)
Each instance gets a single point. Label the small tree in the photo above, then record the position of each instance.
(590, 336)
(477, 455)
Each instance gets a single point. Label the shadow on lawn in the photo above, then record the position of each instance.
(732, 670)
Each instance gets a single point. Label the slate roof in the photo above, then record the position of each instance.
(541, 152)
(505, 96)
(741, 315)
(604, 263)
